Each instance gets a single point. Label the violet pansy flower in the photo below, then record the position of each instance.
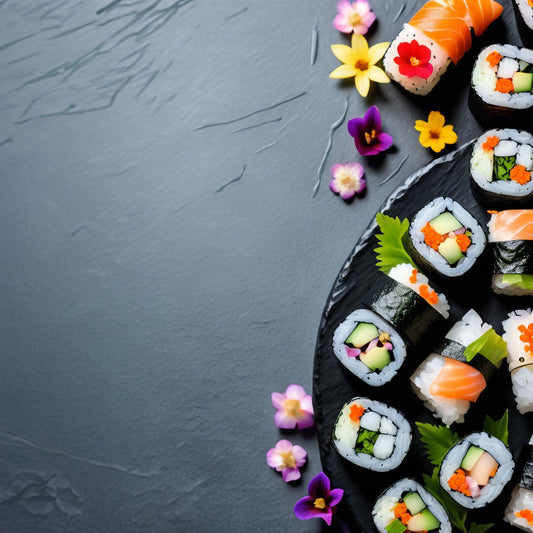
(287, 459)
(369, 138)
(347, 179)
(321, 501)
(294, 408)
(356, 17)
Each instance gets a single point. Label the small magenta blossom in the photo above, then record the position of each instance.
(356, 17)
(321, 501)
(347, 179)
(369, 138)
(287, 459)
(294, 408)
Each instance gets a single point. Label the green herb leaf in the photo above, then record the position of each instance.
(479, 528)
(437, 440)
(498, 428)
(391, 251)
(366, 440)
(490, 345)
(503, 166)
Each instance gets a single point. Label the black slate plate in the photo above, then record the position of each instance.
(333, 385)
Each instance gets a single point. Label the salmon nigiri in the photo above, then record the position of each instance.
(511, 225)
(458, 380)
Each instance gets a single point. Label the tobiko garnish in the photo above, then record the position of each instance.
(321, 501)
(356, 17)
(347, 179)
(368, 136)
(294, 408)
(413, 60)
(287, 458)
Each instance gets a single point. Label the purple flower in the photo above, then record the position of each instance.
(321, 501)
(294, 408)
(287, 459)
(354, 17)
(367, 133)
(347, 179)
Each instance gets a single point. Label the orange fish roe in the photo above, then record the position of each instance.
(401, 512)
(412, 278)
(463, 241)
(431, 237)
(520, 174)
(494, 58)
(458, 482)
(491, 141)
(527, 337)
(356, 412)
(430, 296)
(504, 85)
(527, 514)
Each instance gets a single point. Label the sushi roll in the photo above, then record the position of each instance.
(369, 347)
(523, 10)
(518, 334)
(371, 434)
(511, 242)
(459, 368)
(519, 510)
(406, 506)
(476, 469)
(445, 239)
(501, 87)
(438, 34)
(500, 168)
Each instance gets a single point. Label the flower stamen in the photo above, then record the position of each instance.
(319, 503)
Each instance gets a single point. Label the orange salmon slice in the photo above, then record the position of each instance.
(459, 381)
(511, 225)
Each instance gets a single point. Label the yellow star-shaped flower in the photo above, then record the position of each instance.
(433, 133)
(359, 61)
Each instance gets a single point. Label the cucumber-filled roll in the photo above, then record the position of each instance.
(500, 168)
(476, 469)
(518, 334)
(406, 506)
(501, 86)
(511, 242)
(519, 510)
(445, 239)
(459, 368)
(372, 434)
(523, 10)
(369, 347)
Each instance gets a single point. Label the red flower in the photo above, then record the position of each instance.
(413, 60)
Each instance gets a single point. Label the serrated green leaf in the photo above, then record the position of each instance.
(391, 251)
(498, 428)
(437, 441)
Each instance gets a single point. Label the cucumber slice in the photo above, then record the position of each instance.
(395, 526)
(444, 223)
(522, 82)
(423, 521)
(362, 334)
(450, 250)
(414, 502)
(471, 456)
(376, 359)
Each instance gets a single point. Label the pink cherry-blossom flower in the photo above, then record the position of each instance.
(294, 408)
(287, 459)
(355, 17)
(347, 179)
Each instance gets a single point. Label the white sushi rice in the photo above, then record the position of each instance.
(521, 498)
(526, 11)
(389, 449)
(433, 257)
(452, 461)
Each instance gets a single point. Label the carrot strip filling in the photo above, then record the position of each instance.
(491, 141)
(356, 411)
(458, 482)
(520, 174)
(527, 337)
(401, 512)
(494, 58)
(504, 85)
(527, 514)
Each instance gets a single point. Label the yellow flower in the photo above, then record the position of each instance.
(359, 61)
(433, 133)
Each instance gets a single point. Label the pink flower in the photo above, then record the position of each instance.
(413, 60)
(347, 179)
(294, 408)
(354, 17)
(287, 458)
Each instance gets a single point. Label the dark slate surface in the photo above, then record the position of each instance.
(168, 242)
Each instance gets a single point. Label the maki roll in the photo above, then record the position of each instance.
(438, 34)
(459, 368)
(371, 434)
(500, 168)
(519, 510)
(510, 238)
(445, 239)
(369, 347)
(476, 469)
(518, 334)
(501, 86)
(523, 10)
(407, 506)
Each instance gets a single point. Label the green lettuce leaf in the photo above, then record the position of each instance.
(498, 428)
(490, 345)
(391, 251)
(437, 441)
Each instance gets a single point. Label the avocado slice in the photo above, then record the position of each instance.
(414, 502)
(423, 521)
(444, 223)
(362, 334)
(377, 358)
(522, 82)
(450, 250)
(471, 456)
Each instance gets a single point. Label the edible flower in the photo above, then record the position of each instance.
(369, 138)
(413, 60)
(359, 62)
(356, 17)
(287, 459)
(347, 179)
(321, 501)
(433, 133)
(294, 408)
